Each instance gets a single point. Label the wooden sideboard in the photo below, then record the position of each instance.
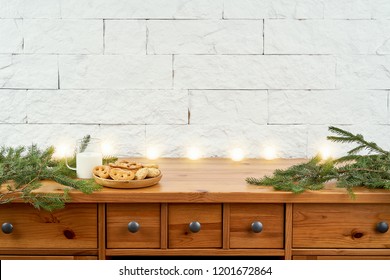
(203, 208)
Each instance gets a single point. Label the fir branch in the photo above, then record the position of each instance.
(22, 169)
(348, 137)
(109, 159)
(85, 142)
(370, 171)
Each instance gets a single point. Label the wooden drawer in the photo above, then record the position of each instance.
(208, 215)
(271, 217)
(340, 225)
(341, 258)
(75, 226)
(146, 215)
(5, 257)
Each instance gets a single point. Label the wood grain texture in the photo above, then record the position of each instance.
(210, 218)
(226, 226)
(288, 231)
(243, 215)
(213, 191)
(102, 230)
(341, 258)
(164, 225)
(53, 252)
(146, 215)
(196, 252)
(341, 252)
(48, 257)
(339, 226)
(75, 226)
(220, 181)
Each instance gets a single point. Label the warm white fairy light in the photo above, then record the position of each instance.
(237, 154)
(269, 153)
(325, 152)
(62, 150)
(107, 149)
(193, 153)
(152, 153)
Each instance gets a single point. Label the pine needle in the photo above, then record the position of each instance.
(25, 167)
(370, 171)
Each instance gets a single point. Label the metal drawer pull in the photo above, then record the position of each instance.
(7, 228)
(194, 227)
(257, 227)
(382, 227)
(133, 227)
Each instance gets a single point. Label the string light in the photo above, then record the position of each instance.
(193, 153)
(237, 154)
(62, 151)
(107, 149)
(325, 152)
(152, 153)
(269, 153)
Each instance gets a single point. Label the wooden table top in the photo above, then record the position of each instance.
(220, 180)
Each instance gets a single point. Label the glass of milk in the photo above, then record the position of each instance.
(87, 157)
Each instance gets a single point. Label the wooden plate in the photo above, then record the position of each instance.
(127, 184)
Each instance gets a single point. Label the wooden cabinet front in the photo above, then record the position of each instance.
(340, 225)
(341, 258)
(73, 227)
(269, 218)
(209, 217)
(146, 216)
(5, 257)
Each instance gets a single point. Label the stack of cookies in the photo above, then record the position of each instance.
(125, 170)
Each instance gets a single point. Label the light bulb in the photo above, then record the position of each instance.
(107, 149)
(193, 153)
(269, 153)
(325, 152)
(237, 154)
(152, 153)
(62, 151)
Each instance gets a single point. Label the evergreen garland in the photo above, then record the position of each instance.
(22, 169)
(352, 170)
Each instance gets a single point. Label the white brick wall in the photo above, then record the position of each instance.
(125, 37)
(142, 9)
(11, 36)
(28, 71)
(115, 72)
(327, 37)
(122, 106)
(216, 74)
(238, 107)
(324, 106)
(30, 9)
(363, 72)
(205, 37)
(254, 72)
(63, 36)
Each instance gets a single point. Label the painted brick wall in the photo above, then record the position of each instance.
(216, 74)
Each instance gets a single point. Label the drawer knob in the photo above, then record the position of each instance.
(382, 227)
(257, 227)
(7, 228)
(194, 227)
(133, 227)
